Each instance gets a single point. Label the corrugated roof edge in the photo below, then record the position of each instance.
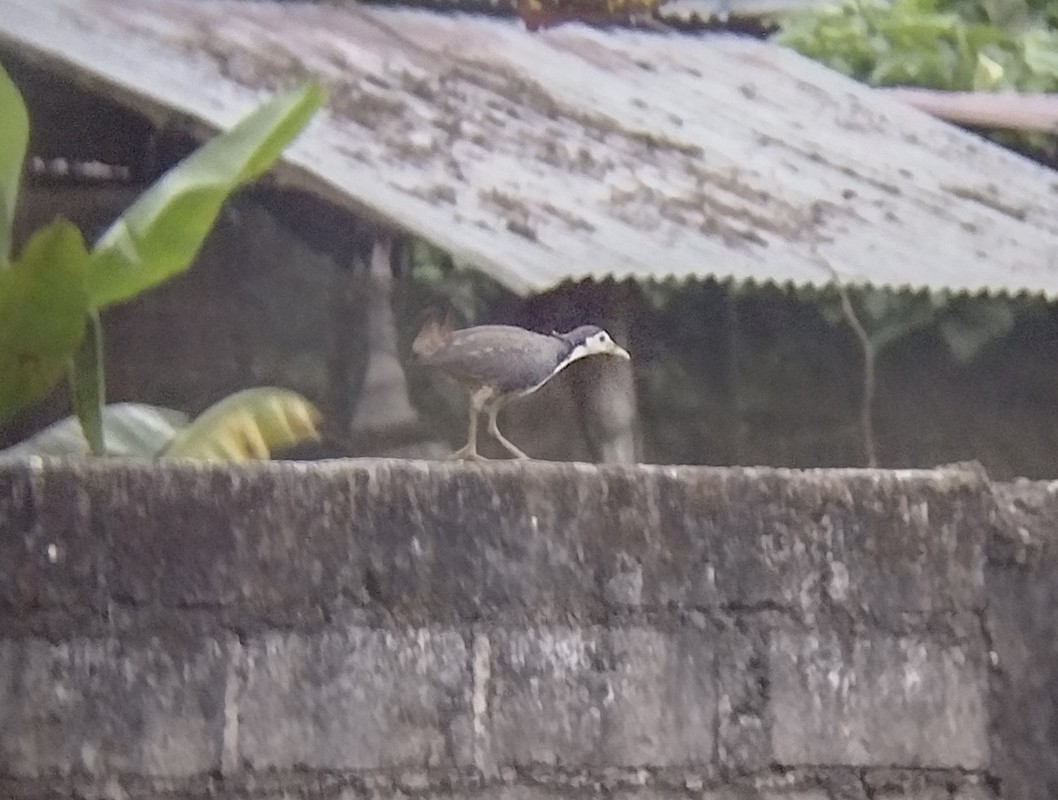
(806, 291)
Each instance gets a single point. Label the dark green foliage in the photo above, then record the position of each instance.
(942, 44)
(51, 292)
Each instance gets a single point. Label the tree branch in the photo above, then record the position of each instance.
(867, 401)
(869, 351)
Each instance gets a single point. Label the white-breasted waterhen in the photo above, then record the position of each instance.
(499, 363)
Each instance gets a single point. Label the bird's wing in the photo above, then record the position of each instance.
(501, 356)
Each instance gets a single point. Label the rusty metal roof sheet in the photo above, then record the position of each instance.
(577, 152)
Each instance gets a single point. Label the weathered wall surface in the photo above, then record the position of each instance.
(1022, 615)
(392, 629)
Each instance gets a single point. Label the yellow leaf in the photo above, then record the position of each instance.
(987, 74)
(247, 425)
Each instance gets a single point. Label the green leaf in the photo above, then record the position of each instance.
(160, 234)
(88, 384)
(1041, 53)
(42, 314)
(130, 429)
(14, 137)
(250, 424)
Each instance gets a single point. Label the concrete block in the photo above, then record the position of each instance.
(877, 700)
(975, 791)
(743, 725)
(910, 784)
(261, 539)
(832, 782)
(356, 698)
(51, 560)
(671, 793)
(882, 542)
(897, 544)
(150, 708)
(447, 541)
(593, 697)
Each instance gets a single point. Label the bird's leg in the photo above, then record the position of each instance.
(495, 431)
(469, 451)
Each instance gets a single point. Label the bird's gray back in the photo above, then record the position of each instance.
(502, 356)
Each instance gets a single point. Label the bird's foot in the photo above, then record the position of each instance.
(467, 453)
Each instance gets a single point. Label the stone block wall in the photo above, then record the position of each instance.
(391, 629)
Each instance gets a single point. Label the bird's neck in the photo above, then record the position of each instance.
(575, 353)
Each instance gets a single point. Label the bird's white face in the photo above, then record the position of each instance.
(599, 344)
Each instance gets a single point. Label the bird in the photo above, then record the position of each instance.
(500, 363)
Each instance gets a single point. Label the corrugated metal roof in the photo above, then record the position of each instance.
(704, 10)
(577, 152)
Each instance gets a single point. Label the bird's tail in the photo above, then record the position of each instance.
(435, 330)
